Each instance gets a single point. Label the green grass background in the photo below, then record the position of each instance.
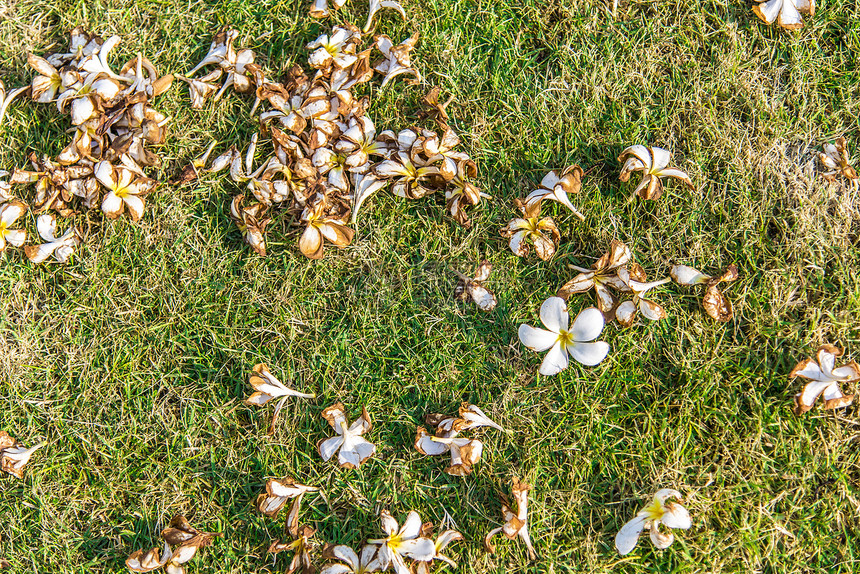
(131, 362)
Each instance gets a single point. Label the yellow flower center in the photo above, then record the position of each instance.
(565, 338)
(655, 510)
(3, 230)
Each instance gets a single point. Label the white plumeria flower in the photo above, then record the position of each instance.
(824, 379)
(376, 6)
(365, 187)
(402, 543)
(128, 186)
(516, 523)
(785, 12)
(9, 214)
(663, 511)
(278, 492)
(14, 456)
(441, 542)
(268, 387)
(626, 312)
(337, 49)
(353, 563)
(653, 162)
(563, 339)
(352, 448)
(556, 188)
(61, 248)
(396, 59)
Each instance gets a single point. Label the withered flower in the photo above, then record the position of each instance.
(128, 186)
(835, 159)
(563, 339)
(435, 110)
(353, 563)
(322, 227)
(516, 523)
(824, 378)
(61, 248)
(532, 228)
(396, 59)
(472, 289)
(6, 98)
(602, 275)
(200, 89)
(252, 222)
(47, 83)
(5, 188)
(653, 162)
(410, 180)
(9, 213)
(402, 543)
(140, 561)
(465, 453)
(301, 547)
(556, 188)
(462, 192)
(715, 303)
(320, 8)
(626, 312)
(785, 12)
(268, 387)
(187, 540)
(278, 492)
(662, 510)
(358, 143)
(441, 542)
(365, 187)
(349, 444)
(14, 456)
(376, 6)
(336, 49)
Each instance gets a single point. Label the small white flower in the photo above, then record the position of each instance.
(268, 387)
(661, 511)
(352, 448)
(824, 378)
(402, 543)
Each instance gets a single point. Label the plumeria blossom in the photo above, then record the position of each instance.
(14, 456)
(602, 276)
(410, 179)
(441, 542)
(396, 60)
(835, 160)
(278, 492)
(127, 187)
(465, 453)
(376, 6)
(61, 248)
(10, 213)
(302, 545)
(556, 188)
(435, 110)
(352, 563)
(148, 561)
(185, 539)
(626, 312)
(472, 288)
(663, 510)
(714, 302)
(351, 447)
(252, 222)
(336, 49)
(320, 8)
(653, 162)
(563, 339)
(542, 233)
(824, 379)
(787, 13)
(365, 187)
(268, 387)
(322, 227)
(516, 523)
(462, 192)
(403, 543)
(6, 98)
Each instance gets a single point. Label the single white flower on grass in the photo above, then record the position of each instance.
(352, 449)
(268, 387)
(556, 188)
(626, 312)
(9, 214)
(353, 563)
(472, 289)
(465, 453)
(516, 523)
(278, 492)
(653, 162)
(563, 339)
(441, 542)
(402, 543)
(662, 510)
(531, 228)
(835, 160)
(824, 379)
(714, 302)
(785, 12)
(14, 456)
(61, 248)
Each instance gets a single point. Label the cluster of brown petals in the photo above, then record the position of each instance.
(464, 452)
(714, 302)
(473, 289)
(837, 161)
(181, 543)
(516, 523)
(14, 456)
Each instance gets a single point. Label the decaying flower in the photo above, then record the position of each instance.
(376, 6)
(785, 12)
(252, 222)
(349, 444)
(302, 545)
(653, 162)
(824, 379)
(61, 248)
(127, 187)
(472, 288)
(14, 456)
(184, 538)
(462, 192)
(662, 510)
(835, 160)
(634, 279)
(531, 228)
(140, 561)
(410, 180)
(403, 543)
(433, 109)
(396, 59)
(441, 542)
(320, 8)
(465, 453)
(602, 276)
(10, 213)
(7, 97)
(714, 302)
(516, 523)
(336, 49)
(556, 188)
(278, 492)
(352, 563)
(563, 339)
(322, 227)
(268, 387)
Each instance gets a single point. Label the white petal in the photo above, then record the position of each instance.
(588, 325)
(677, 516)
(628, 536)
(537, 339)
(589, 354)
(553, 314)
(330, 446)
(555, 361)
(412, 527)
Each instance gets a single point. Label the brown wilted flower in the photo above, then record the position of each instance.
(516, 523)
(634, 279)
(301, 547)
(396, 60)
(7, 97)
(653, 162)
(185, 538)
(472, 289)
(411, 181)
(602, 275)
(662, 511)
(835, 160)
(462, 192)
(785, 12)
(320, 8)
(824, 379)
(61, 248)
(278, 492)
(556, 188)
(365, 187)
(434, 110)
(322, 227)
(714, 302)
(376, 6)
(252, 222)
(441, 542)
(127, 186)
(10, 213)
(349, 444)
(14, 456)
(268, 387)
(531, 228)
(465, 453)
(351, 562)
(200, 89)
(140, 561)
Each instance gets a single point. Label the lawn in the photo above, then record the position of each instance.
(131, 362)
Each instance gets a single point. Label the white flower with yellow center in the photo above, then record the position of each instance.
(663, 511)
(402, 543)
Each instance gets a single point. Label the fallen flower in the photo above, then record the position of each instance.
(714, 302)
(9, 214)
(472, 289)
(653, 162)
(824, 378)
(403, 543)
(278, 492)
(409, 178)
(252, 222)
(376, 6)
(336, 49)
(465, 453)
(786, 12)
(835, 159)
(14, 456)
(321, 227)
(187, 540)
(61, 248)
(663, 511)
(556, 188)
(396, 59)
(441, 542)
(128, 186)
(139, 561)
(434, 110)
(365, 187)
(354, 563)
(320, 8)
(268, 387)
(626, 312)
(531, 228)
(602, 275)
(301, 547)
(6, 98)
(563, 339)
(351, 447)
(200, 89)
(516, 523)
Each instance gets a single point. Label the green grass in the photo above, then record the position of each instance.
(131, 362)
